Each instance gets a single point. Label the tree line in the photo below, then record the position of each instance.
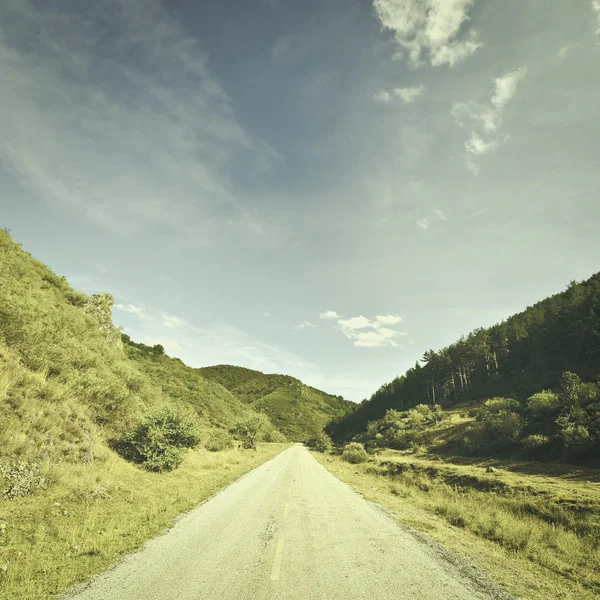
(522, 355)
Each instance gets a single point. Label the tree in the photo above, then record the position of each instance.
(249, 430)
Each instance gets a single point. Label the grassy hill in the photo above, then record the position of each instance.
(297, 410)
(71, 386)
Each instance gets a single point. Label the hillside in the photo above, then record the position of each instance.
(517, 358)
(297, 410)
(69, 384)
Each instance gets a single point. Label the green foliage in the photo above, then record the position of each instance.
(159, 440)
(536, 441)
(542, 405)
(354, 453)
(297, 410)
(218, 440)
(400, 430)
(320, 442)
(250, 430)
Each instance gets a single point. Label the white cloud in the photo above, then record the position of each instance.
(562, 53)
(382, 97)
(409, 94)
(330, 314)
(367, 333)
(423, 223)
(440, 214)
(486, 119)
(354, 323)
(131, 308)
(304, 325)
(388, 319)
(596, 9)
(144, 142)
(172, 322)
(430, 28)
(281, 47)
(101, 268)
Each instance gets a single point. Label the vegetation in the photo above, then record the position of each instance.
(297, 410)
(320, 442)
(250, 430)
(517, 358)
(534, 527)
(73, 389)
(354, 453)
(159, 440)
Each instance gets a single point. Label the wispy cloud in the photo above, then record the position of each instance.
(138, 311)
(304, 325)
(382, 97)
(596, 9)
(330, 314)
(369, 333)
(120, 117)
(172, 322)
(486, 119)
(425, 222)
(409, 94)
(429, 29)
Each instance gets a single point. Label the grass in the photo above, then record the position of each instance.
(537, 532)
(88, 518)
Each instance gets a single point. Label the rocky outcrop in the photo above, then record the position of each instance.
(99, 306)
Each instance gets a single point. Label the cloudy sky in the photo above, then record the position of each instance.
(324, 188)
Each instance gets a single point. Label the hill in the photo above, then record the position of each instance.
(523, 355)
(297, 410)
(69, 382)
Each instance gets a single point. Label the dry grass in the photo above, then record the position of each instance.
(536, 532)
(92, 515)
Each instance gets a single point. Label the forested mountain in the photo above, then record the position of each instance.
(518, 357)
(297, 410)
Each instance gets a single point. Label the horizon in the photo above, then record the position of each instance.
(324, 190)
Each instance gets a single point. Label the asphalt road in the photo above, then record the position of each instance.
(287, 530)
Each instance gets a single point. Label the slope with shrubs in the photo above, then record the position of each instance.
(72, 391)
(297, 410)
(516, 358)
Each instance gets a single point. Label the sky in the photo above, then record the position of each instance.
(325, 188)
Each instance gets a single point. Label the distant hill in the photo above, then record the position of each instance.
(69, 383)
(523, 355)
(296, 409)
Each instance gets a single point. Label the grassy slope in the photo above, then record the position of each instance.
(296, 409)
(534, 531)
(67, 386)
(534, 526)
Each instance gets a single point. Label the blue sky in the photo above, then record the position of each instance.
(322, 188)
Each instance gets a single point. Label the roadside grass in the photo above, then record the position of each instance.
(91, 515)
(534, 531)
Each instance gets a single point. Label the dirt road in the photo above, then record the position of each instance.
(289, 530)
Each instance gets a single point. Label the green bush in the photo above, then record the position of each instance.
(319, 442)
(536, 441)
(354, 453)
(495, 405)
(250, 430)
(543, 404)
(218, 440)
(159, 441)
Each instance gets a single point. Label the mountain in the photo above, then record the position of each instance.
(518, 357)
(70, 381)
(297, 410)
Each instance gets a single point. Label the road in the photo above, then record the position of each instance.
(289, 530)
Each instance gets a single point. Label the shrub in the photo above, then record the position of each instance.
(354, 453)
(249, 430)
(20, 479)
(159, 441)
(319, 442)
(495, 405)
(218, 440)
(535, 441)
(543, 404)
